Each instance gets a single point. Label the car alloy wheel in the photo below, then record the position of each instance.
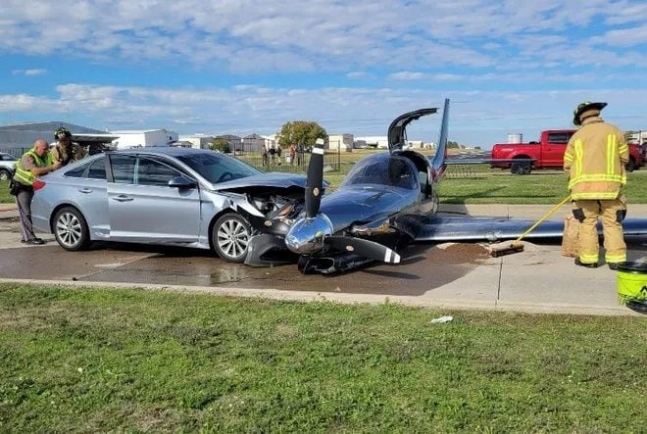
(4, 175)
(70, 229)
(231, 235)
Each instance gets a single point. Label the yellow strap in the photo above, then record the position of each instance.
(544, 217)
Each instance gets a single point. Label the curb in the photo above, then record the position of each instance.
(306, 296)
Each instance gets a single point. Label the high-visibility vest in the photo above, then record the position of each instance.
(26, 177)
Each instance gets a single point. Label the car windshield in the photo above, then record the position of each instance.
(217, 168)
(393, 171)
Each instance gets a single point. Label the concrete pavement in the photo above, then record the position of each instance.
(537, 280)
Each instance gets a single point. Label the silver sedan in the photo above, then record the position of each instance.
(166, 195)
(7, 166)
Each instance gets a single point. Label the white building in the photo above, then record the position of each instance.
(340, 142)
(375, 141)
(639, 137)
(198, 141)
(139, 138)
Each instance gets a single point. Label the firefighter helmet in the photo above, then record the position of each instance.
(62, 133)
(584, 107)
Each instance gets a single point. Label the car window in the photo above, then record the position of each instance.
(97, 169)
(216, 167)
(123, 168)
(559, 138)
(77, 172)
(150, 172)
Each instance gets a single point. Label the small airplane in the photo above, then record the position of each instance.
(386, 202)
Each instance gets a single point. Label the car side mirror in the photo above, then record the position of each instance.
(182, 183)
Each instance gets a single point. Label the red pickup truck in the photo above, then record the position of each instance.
(521, 158)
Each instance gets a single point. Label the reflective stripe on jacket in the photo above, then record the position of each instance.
(595, 158)
(26, 177)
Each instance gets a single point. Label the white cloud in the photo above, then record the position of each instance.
(508, 65)
(29, 72)
(345, 36)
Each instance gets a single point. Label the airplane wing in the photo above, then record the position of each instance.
(491, 229)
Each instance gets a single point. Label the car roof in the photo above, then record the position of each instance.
(173, 151)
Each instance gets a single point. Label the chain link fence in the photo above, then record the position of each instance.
(284, 162)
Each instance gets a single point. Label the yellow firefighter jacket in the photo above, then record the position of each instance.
(595, 157)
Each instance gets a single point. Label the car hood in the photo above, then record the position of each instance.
(273, 179)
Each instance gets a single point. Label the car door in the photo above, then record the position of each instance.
(88, 188)
(555, 148)
(144, 209)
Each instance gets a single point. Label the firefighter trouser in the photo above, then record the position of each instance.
(612, 213)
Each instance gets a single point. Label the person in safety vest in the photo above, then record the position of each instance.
(595, 158)
(34, 163)
(64, 150)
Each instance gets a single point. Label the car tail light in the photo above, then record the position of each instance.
(38, 184)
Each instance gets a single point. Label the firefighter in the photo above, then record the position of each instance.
(64, 150)
(595, 159)
(35, 162)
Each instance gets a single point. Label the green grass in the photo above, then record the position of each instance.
(88, 360)
(473, 186)
(5, 197)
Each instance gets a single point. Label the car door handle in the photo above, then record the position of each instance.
(86, 190)
(123, 198)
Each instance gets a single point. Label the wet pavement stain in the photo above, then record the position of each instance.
(424, 268)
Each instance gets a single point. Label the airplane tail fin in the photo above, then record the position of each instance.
(438, 163)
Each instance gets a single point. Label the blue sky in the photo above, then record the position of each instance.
(249, 66)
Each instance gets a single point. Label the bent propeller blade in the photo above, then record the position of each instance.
(315, 179)
(363, 247)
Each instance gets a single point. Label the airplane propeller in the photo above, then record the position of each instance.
(367, 248)
(315, 179)
(363, 247)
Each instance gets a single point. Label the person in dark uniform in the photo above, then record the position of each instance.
(34, 163)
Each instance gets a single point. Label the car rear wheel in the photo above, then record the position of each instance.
(629, 167)
(71, 230)
(230, 237)
(521, 168)
(4, 175)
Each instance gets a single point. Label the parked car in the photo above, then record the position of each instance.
(7, 166)
(167, 196)
(360, 144)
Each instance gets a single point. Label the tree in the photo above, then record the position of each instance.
(452, 145)
(221, 145)
(301, 133)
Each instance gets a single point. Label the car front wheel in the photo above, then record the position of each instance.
(230, 237)
(71, 230)
(4, 175)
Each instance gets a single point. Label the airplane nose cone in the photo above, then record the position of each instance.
(305, 236)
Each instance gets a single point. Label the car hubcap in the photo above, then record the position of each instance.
(4, 176)
(68, 229)
(233, 238)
